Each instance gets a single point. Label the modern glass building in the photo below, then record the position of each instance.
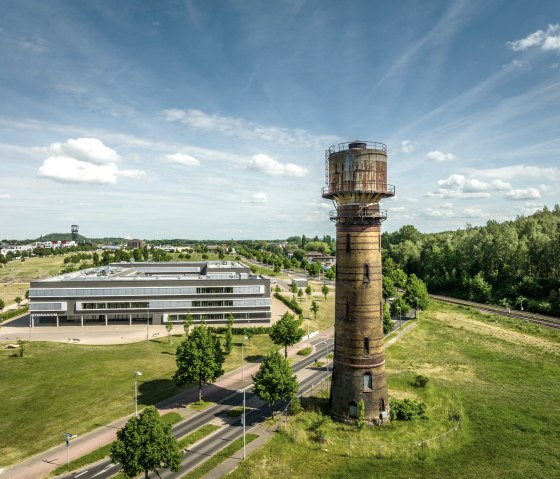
(152, 293)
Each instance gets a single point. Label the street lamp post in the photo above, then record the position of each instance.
(136, 374)
(308, 331)
(400, 320)
(416, 311)
(67, 437)
(243, 421)
(521, 304)
(243, 338)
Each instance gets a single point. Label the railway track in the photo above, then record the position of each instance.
(540, 319)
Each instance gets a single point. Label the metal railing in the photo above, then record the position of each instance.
(358, 187)
(371, 145)
(367, 213)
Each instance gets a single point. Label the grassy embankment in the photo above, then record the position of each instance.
(506, 381)
(61, 387)
(16, 275)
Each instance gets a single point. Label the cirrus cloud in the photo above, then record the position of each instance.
(548, 39)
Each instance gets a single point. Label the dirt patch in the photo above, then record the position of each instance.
(496, 331)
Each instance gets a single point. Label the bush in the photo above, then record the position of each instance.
(305, 351)
(251, 330)
(12, 313)
(295, 406)
(407, 409)
(291, 303)
(420, 381)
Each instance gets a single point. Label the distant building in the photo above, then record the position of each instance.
(324, 259)
(300, 282)
(135, 244)
(152, 293)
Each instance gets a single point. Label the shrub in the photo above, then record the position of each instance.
(305, 351)
(407, 409)
(295, 406)
(291, 303)
(420, 381)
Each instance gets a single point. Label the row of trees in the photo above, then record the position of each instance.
(501, 263)
(145, 443)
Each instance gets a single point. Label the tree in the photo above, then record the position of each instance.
(2, 304)
(187, 324)
(325, 290)
(287, 332)
(293, 288)
(388, 323)
(399, 306)
(300, 294)
(308, 290)
(314, 309)
(145, 444)
(168, 327)
(399, 277)
(199, 358)
(415, 292)
(229, 334)
(18, 300)
(27, 294)
(389, 289)
(275, 379)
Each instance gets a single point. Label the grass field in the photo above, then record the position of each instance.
(16, 275)
(60, 387)
(506, 381)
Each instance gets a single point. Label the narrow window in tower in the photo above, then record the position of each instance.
(348, 242)
(366, 273)
(366, 345)
(381, 404)
(368, 382)
(353, 409)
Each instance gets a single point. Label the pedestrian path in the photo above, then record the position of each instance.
(42, 464)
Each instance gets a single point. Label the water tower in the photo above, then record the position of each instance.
(74, 233)
(356, 176)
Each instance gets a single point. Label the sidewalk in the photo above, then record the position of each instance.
(42, 464)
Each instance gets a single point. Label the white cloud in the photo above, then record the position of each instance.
(398, 209)
(472, 213)
(447, 205)
(440, 156)
(437, 213)
(244, 129)
(64, 169)
(523, 194)
(181, 159)
(5, 196)
(458, 186)
(272, 167)
(520, 171)
(547, 40)
(259, 197)
(407, 146)
(91, 150)
(132, 173)
(501, 185)
(84, 160)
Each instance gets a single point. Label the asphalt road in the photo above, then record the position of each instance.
(224, 436)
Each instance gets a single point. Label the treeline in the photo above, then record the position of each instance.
(513, 264)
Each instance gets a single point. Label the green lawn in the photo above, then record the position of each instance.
(61, 387)
(507, 384)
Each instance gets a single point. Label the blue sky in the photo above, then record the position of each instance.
(209, 119)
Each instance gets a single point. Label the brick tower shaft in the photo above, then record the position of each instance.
(356, 176)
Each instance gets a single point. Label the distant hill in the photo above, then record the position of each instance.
(60, 237)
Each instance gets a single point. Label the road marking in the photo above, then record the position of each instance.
(104, 470)
(82, 473)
